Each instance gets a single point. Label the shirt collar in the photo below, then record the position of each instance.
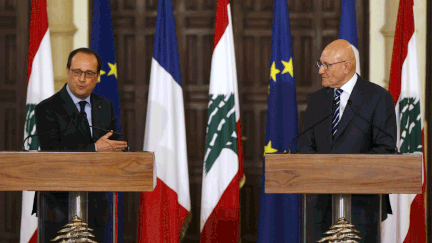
(349, 86)
(74, 98)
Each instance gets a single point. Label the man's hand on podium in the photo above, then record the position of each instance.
(103, 144)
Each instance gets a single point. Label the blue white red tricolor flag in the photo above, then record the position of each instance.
(279, 214)
(223, 162)
(165, 212)
(407, 223)
(348, 28)
(40, 85)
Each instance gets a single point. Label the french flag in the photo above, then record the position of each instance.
(166, 211)
(348, 28)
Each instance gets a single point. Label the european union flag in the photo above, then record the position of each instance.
(279, 215)
(102, 41)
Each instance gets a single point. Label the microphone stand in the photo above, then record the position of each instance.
(310, 128)
(23, 149)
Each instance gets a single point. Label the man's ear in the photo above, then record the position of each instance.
(347, 67)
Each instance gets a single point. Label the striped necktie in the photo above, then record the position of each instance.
(336, 113)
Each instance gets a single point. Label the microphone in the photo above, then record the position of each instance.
(42, 133)
(310, 128)
(116, 133)
(396, 150)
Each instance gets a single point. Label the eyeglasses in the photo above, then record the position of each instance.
(87, 74)
(325, 65)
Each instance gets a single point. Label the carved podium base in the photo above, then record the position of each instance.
(75, 231)
(341, 232)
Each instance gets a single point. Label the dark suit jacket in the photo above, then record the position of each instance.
(58, 112)
(354, 134)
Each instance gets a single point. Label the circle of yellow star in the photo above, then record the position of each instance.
(268, 149)
(113, 70)
(274, 71)
(102, 72)
(288, 67)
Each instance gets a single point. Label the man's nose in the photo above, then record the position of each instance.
(321, 70)
(82, 77)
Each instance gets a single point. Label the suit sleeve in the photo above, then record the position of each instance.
(307, 142)
(51, 126)
(385, 118)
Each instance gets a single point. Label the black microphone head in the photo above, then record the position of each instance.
(83, 114)
(349, 102)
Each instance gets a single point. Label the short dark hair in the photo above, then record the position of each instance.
(86, 51)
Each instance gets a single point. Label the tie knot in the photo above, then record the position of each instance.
(82, 106)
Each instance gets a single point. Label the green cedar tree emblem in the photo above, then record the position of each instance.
(221, 128)
(410, 125)
(30, 127)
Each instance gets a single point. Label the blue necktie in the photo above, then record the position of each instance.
(336, 113)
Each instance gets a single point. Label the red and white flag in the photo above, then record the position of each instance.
(40, 85)
(407, 223)
(223, 161)
(165, 212)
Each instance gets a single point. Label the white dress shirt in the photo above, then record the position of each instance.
(87, 107)
(347, 89)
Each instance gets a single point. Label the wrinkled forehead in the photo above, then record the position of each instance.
(330, 55)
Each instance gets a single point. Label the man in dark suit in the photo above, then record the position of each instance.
(352, 105)
(63, 110)
(71, 112)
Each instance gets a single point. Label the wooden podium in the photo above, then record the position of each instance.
(343, 174)
(76, 171)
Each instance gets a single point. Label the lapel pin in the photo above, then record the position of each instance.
(99, 106)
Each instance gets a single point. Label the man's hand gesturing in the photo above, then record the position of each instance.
(103, 144)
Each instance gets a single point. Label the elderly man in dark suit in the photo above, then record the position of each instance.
(361, 119)
(66, 120)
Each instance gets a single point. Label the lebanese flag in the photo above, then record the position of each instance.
(40, 85)
(407, 223)
(165, 212)
(223, 162)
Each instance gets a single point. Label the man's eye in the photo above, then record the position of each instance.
(90, 74)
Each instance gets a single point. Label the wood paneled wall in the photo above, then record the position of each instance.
(314, 23)
(14, 31)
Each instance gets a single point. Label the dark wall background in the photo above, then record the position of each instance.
(314, 23)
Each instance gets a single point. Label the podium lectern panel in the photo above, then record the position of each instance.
(77, 172)
(343, 173)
